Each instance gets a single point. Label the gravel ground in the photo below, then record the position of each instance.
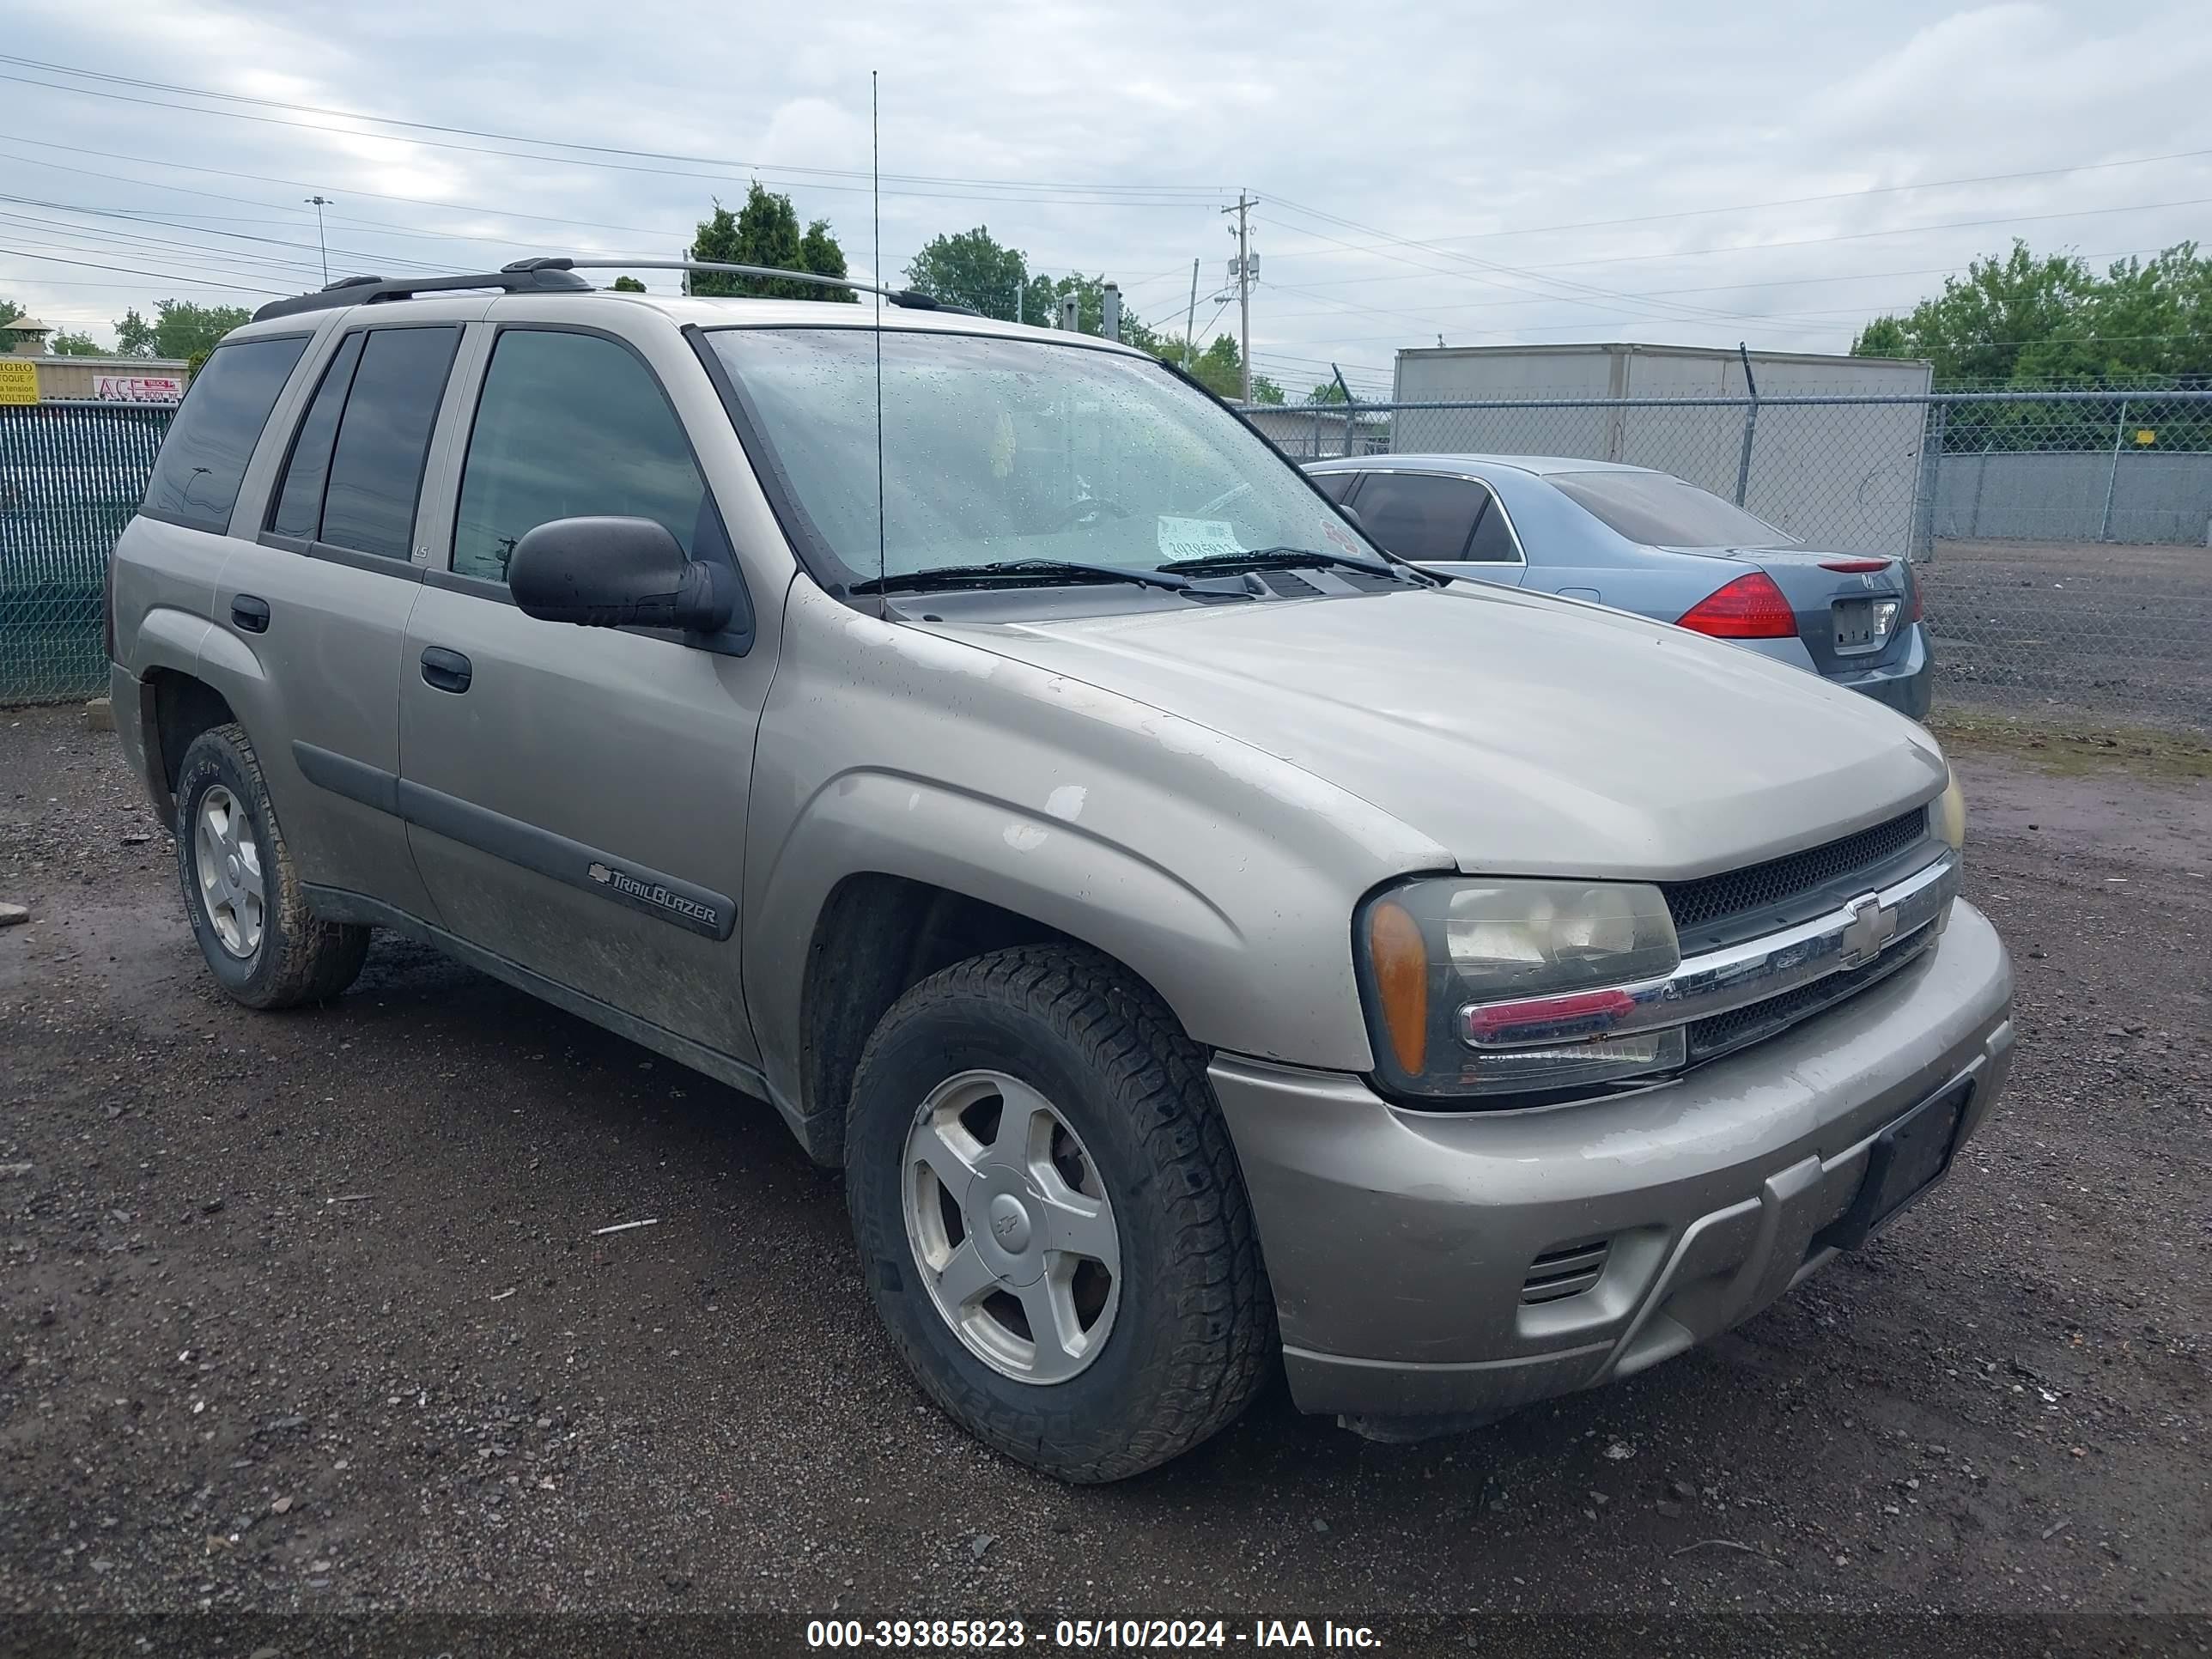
(307, 1311)
(2103, 633)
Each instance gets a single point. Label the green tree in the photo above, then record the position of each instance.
(10, 311)
(1329, 392)
(628, 285)
(975, 269)
(1885, 337)
(1978, 328)
(1220, 369)
(76, 343)
(180, 328)
(1040, 305)
(765, 232)
(818, 252)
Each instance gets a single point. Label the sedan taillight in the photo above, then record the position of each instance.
(1749, 608)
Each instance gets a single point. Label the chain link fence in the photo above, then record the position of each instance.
(2062, 540)
(70, 476)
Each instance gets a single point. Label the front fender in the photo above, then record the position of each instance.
(1226, 878)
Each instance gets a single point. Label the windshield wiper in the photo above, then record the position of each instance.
(1283, 558)
(1017, 570)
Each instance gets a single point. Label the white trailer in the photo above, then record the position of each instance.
(1843, 477)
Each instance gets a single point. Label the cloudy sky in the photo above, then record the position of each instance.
(1484, 172)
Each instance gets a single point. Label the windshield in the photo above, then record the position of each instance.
(1661, 511)
(996, 450)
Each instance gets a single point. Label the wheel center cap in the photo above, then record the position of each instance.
(231, 866)
(1003, 1219)
(1009, 1223)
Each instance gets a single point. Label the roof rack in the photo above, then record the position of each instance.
(557, 275)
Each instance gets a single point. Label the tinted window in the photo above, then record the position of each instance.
(1335, 485)
(298, 509)
(570, 425)
(1493, 536)
(1662, 511)
(384, 437)
(204, 458)
(1420, 516)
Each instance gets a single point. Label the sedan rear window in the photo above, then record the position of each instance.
(1661, 511)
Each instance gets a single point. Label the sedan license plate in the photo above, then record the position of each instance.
(1906, 1160)
(1863, 624)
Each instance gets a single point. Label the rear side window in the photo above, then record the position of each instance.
(383, 438)
(203, 461)
(568, 426)
(1335, 485)
(299, 508)
(1493, 541)
(1420, 515)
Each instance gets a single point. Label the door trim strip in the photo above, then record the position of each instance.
(588, 869)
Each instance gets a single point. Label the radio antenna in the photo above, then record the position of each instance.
(876, 205)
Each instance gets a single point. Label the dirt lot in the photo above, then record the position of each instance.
(2073, 626)
(305, 1311)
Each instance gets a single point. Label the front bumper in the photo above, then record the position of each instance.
(1399, 1241)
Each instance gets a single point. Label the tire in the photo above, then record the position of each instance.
(1188, 1325)
(269, 954)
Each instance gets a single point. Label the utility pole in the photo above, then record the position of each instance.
(1190, 319)
(322, 201)
(1243, 273)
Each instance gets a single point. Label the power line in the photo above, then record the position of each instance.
(295, 184)
(236, 235)
(1021, 194)
(1713, 287)
(129, 270)
(1208, 191)
(1791, 201)
(1818, 241)
(1573, 293)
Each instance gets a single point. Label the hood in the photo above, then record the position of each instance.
(1530, 735)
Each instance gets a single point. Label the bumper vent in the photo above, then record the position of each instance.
(1740, 904)
(1568, 1270)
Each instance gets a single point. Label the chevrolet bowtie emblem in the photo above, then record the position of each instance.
(1871, 926)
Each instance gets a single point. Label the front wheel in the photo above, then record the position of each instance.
(1050, 1217)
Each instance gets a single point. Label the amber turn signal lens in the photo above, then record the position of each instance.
(1399, 956)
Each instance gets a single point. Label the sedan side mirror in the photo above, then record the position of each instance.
(618, 572)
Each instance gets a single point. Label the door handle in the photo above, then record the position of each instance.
(250, 614)
(446, 670)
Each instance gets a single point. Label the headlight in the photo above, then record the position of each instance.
(1435, 953)
(1949, 818)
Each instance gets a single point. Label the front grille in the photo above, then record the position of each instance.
(1740, 903)
(1710, 1038)
(1564, 1271)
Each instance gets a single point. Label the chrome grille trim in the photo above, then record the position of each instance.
(1861, 932)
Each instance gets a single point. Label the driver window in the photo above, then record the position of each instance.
(571, 425)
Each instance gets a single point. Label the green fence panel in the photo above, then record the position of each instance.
(70, 476)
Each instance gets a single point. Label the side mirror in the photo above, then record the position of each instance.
(618, 572)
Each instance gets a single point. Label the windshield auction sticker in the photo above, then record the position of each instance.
(1196, 538)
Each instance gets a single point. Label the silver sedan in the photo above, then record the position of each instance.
(1651, 543)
